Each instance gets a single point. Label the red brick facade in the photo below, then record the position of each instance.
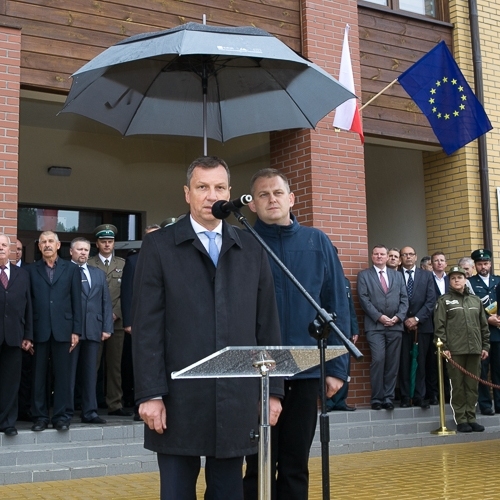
(10, 56)
(325, 167)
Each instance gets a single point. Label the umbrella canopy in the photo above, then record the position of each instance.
(203, 81)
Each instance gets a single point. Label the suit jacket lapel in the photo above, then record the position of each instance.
(14, 273)
(42, 271)
(60, 266)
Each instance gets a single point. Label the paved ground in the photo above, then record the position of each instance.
(454, 471)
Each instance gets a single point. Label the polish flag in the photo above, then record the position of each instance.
(347, 114)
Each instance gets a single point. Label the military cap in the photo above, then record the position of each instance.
(168, 221)
(105, 231)
(456, 270)
(481, 254)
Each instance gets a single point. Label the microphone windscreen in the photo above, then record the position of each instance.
(218, 212)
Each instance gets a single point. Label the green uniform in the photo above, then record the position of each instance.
(114, 345)
(461, 324)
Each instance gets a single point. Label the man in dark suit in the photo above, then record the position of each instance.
(16, 334)
(418, 322)
(56, 291)
(201, 285)
(384, 299)
(441, 282)
(484, 285)
(97, 326)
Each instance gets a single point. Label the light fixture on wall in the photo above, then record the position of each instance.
(59, 171)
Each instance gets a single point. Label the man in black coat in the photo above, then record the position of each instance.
(57, 325)
(201, 285)
(418, 321)
(16, 334)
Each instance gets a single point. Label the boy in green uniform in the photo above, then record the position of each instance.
(461, 324)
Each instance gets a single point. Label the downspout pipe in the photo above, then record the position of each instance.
(482, 151)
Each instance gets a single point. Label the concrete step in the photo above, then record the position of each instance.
(372, 430)
(117, 447)
(83, 451)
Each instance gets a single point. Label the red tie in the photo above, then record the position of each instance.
(383, 282)
(3, 276)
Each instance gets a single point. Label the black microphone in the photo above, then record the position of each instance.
(222, 209)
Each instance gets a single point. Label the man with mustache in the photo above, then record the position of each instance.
(57, 320)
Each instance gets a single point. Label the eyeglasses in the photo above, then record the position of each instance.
(407, 255)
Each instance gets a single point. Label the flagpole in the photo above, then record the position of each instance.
(379, 94)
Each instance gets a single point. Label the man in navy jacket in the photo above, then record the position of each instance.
(309, 254)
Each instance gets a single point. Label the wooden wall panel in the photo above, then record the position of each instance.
(59, 36)
(389, 44)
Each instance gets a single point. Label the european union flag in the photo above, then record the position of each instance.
(440, 90)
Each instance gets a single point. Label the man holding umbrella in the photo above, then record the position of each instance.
(201, 285)
(417, 324)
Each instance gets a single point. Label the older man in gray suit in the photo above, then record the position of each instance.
(384, 299)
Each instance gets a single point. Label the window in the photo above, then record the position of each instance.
(429, 8)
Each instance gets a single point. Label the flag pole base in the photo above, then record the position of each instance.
(443, 431)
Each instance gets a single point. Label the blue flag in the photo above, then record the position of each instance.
(440, 90)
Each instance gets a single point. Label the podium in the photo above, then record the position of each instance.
(263, 362)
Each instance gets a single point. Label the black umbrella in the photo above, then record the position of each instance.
(203, 81)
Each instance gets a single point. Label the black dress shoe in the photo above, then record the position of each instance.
(61, 425)
(376, 406)
(39, 425)
(95, 420)
(488, 411)
(9, 431)
(433, 401)
(423, 403)
(405, 403)
(464, 427)
(388, 406)
(476, 427)
(120, 413)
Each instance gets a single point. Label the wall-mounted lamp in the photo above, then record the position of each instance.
(60, 171)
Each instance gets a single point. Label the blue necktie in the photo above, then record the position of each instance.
(409, 284)
(85, 281)
(213, 250)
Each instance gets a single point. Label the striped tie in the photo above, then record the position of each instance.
(383, 282)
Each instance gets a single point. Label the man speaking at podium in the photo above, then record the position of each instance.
(201, 285)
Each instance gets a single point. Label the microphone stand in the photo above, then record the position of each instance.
(319, 329)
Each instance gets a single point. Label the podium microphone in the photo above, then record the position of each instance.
(222, 209)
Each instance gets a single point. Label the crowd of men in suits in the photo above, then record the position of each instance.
(398, 296)
(59, 317)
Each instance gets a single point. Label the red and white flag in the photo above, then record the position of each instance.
(347, 114)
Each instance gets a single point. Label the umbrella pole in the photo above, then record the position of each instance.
(204, 83)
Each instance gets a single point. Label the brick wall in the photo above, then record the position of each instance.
(10, 55)
(453, 197)
(325, 167)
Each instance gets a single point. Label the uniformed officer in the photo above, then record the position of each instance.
(113, 267)
(484, 285)
(461, 324)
